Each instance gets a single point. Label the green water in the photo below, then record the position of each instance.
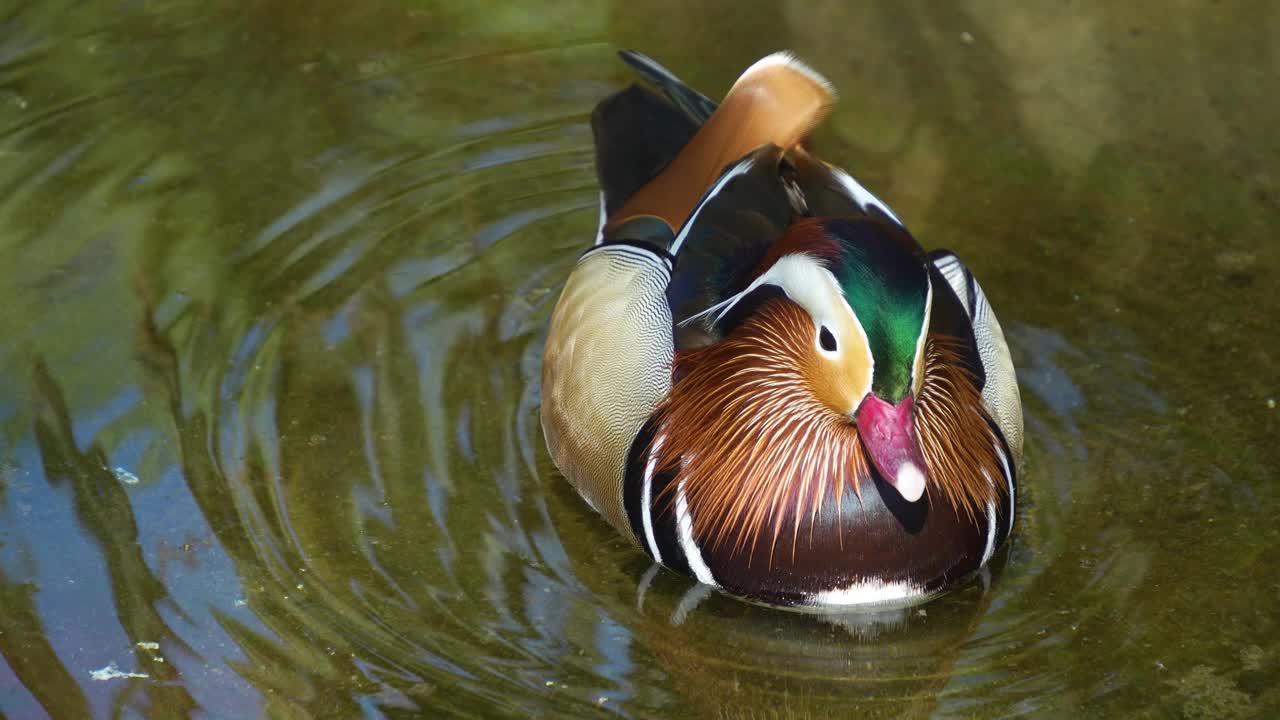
(275, 283)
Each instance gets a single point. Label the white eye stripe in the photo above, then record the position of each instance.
(804, 280)
(810, 285)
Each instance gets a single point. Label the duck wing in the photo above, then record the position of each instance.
(720, 248)
(696, 106)
(637, 134)
(776, 101)
(703, 183)
(968, 315)
(829, 191)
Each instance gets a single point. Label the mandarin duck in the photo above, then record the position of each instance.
(757, 374)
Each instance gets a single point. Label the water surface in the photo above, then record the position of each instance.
(275, 288)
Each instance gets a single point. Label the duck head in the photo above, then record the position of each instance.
(827, 372)
(864, 286)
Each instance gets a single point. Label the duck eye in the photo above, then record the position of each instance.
(826, 340)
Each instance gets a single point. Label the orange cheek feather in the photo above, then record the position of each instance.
(750, 433)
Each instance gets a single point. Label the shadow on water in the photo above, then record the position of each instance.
(274, 301)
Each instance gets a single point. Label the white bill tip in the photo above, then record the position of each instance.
(909, 482)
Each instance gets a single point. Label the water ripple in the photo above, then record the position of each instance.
(292, 272)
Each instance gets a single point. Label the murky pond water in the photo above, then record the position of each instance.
(275, 288)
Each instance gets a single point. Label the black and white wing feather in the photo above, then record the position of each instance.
(695, 105)
(1000, 388)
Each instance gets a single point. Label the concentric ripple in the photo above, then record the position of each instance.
(275, 290)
